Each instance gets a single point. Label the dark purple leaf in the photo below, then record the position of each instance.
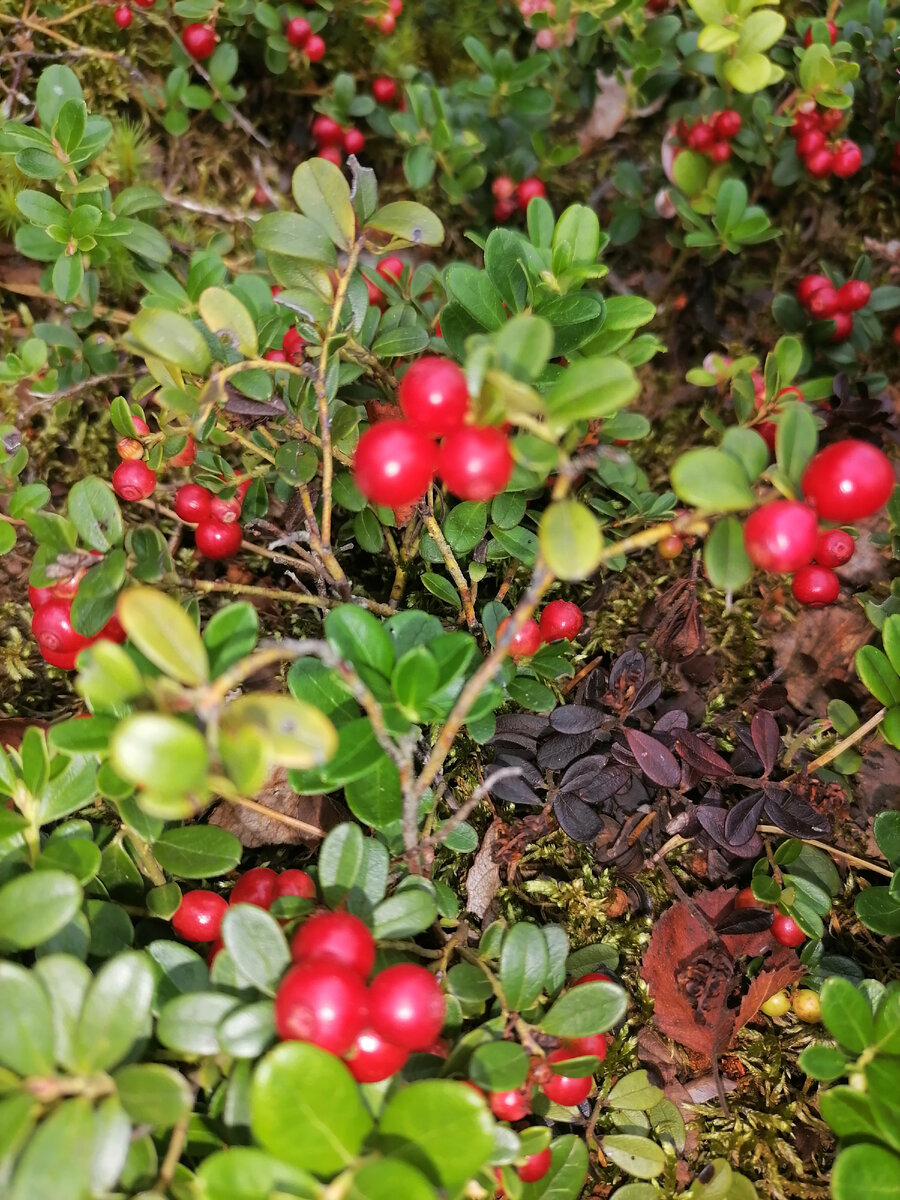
(626, 676)
(594, 689)
(766, 738)
(516, 741)
(584, 770)
(745, 761)
(648, 693)
(773, 697)
(690, 777)
(560, 750)
(744, 920)
(515, 790)
(576, 718)
(797, 818)
(522, 723)
(603, 786)
(653, 758)
(530, 773)
(675, 718)
(743, 818)
(241, 406)
(576, 819)
(699, 754)
(713, 822)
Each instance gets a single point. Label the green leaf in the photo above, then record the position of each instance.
(408, 223)
(375, 798)
(635, 1155)
(404, 914)
(189, 1023)
(635, 1091)
(589, 1008)
(524, 964)
(465, 525)
(342, 861)
(34, 907)
(360, 638)
(400, 342)
(254, 940)
(761, 30)
(95, 514)
(40, 209)
(879, 911)
(68, 276)
(57, 1161)
(26, 1031)
(877, 674)
(293, 734)
(164, 633)
(746, 447)
(387, 1179)
(568, 1170)
(796, 438)
(823, 1062)
(499, 1066)
(576, 238)
(414, 681)
(153, 1094)
(197, 851)
(724, 557)
(226, 317)
(56, 86)
(293, 236)
(886, 829)
(172, 338)
(66, 980)
(748, 73)
(115, 1014)
(866, 1172)
(589, 389)
(890, 636)
(473, 290)
(570, 539)
(160, 753)
(230, 634)
(248, 1031)
(246, 1173)
(442, 588)
(305, 1108)
(711, 479)
(322, 193)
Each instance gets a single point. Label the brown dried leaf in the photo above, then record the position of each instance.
(785, 969)
(254, 828)
(483, 879)
(818, 649)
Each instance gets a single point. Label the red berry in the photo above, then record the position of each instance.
(66, 662)
(39, 596)
(848, 481)
(434, 396)
(275, 356)
(803, 121)
(503, 188)
(701, 137)
(746, 899)
(407, 1006)
(843, 327)
(122, 16)
(528, 190)
(561, 619)
(335, 937)
(295, 883)
(834, 547)
(853, 295)
(809, 142)
(566, 1089)
(199, 40)
(314, 48)
(809, 285)
(387, 23)
(475, 462)
(323, 1003)
(536, 1166)
(832, 33)
(719, 152)
(394, 464)
(786, 931)
(192, 503)
(256, 886)
(670, 547)
(728, 124)
(185, 457)
(354, 141)
(327, 132)
(133, 480)
(331, 154)
(214, 951)
(512, 1105)
(594, 977)
(53, 630)
(216, 539)
(831, 119)
(226, 511)
(824, 302)
(112, 631)
(292, 344)
(847, 159)
(141, 428)
(526, 641)
(395, 7)
(595, 1045)
(384, 90)
(372, 1059)
(815, 586)
(820, 164)
(198, 917)
(298, 31)
(781, 536)
(503, 210)
(390, 268)
(145, 3)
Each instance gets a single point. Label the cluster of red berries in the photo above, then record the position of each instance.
(711, 136)
(298, 32)
(784, 929)
(821, 158)
(823, 301)
(561, 619)
(387, 22)
(291, 345)
(333, 141)
(845, 482)
(133, 479)
(217, 532)
(51, 624)
(511, 198)
(396, 460)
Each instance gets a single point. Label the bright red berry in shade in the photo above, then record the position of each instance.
(112, 631)
(384, 90)
(434, 396)
(298, 31)
(292, 344)
(595, 1044)
(815, 586)
(323, 1003)
(275, 356)
(847, 159)
(701, 136)
(53, 630)
(198, 917)
(406, 1006)
(594, 977)
(503, 188)
(315, 48)
(214, 951)
(503, 210)
(226, 511)
(193, 503)
(185, 457)
(802, 122)
(394, 464)
(216, 539)
(528, 190)
(809, 285)
(728, 123)
(376, 295)
(809, 142)
(331, 154)
(122, 16)
(65, 662)
(475, 462)
(561, 619)
(831, 119)
(295, 883)
(327, 132)
(335, 937)
(536, 1166)
(854, 295)
(372, 1059)
(395, 7)
(820, 164)
(719, 152)
(834, 547)
(354, 141)
(390, 268)
(848, 481)
(843, 327)
(786, 931)
(256, 886)
(145, 3)
(133, 480)
(39, 596)
(199, 40)
(526, 641)
(387, 23)
(141, 428)
(512, 1105)
(781, 536)
(824, 303)
(832, 34)
(566, 1089)
(746, 899)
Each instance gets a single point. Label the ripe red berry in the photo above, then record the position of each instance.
(198, 917)
(434, 396)
(526, 641)
(475, 462)
(292, 344)
(561, 619)
(275, 356)
(53, 630)
(192, 503)
(295, 883)
(394, 464)
(824, 303)
(335, 937)
(811, 141)
(145, 3)
(728, 123)
(781, 536)
(323, 1003)
(848, 481)
(843, 327)
(719, 152)
(372, 1059)
(141, 428)
(390, 268)
(395, 7)
(256, 886)
(503, 188)
(314, 48)
(815, 586)
(834, 547)
(503, 210)
(831, 119)
(566, 1089)
(670, 547)
(112, 631)
(809, 285)
(384, 90)
(39, 596)
(528, 190)
(847, 159)
(746, 899)
(594, 977)
(226, 511)
(298, 31)
(832, 33)
(327, 132)
(122, 16)
(536, 1166)
(701, 136)
(216, 539)
(786, 931)
(512, 1105)
(803, 121)
(354, 141)
(133, 480)
(820, 164)
(594, 1044)
(387, 23)
(406, 1006)
(199, 40)
(331, 154)
(185, 457)
(854, 295)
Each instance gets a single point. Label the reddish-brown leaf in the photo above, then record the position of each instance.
(785, 969)
(657, 763)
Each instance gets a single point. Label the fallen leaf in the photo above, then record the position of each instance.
(785, 969)
(817, 651)
(255, 828)
(483, 879)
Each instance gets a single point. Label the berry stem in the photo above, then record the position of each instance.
(850, 740)
(465, 592)
(841, 854)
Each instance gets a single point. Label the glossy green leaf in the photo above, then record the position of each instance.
(635, 1155)
(711, 480)
(524, 965)
(570, 539)
(407, 223)
(153, 1094)
(227, 318)
(172, 338)
(56, 1163)
(94, 512)
(161, 753)
(164, 633)
(26, 1031)
(322, 193)
(197, 851)
(255, 941)
(724, 557)
(36, 906)
(589, 1008)
(115, 1014)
